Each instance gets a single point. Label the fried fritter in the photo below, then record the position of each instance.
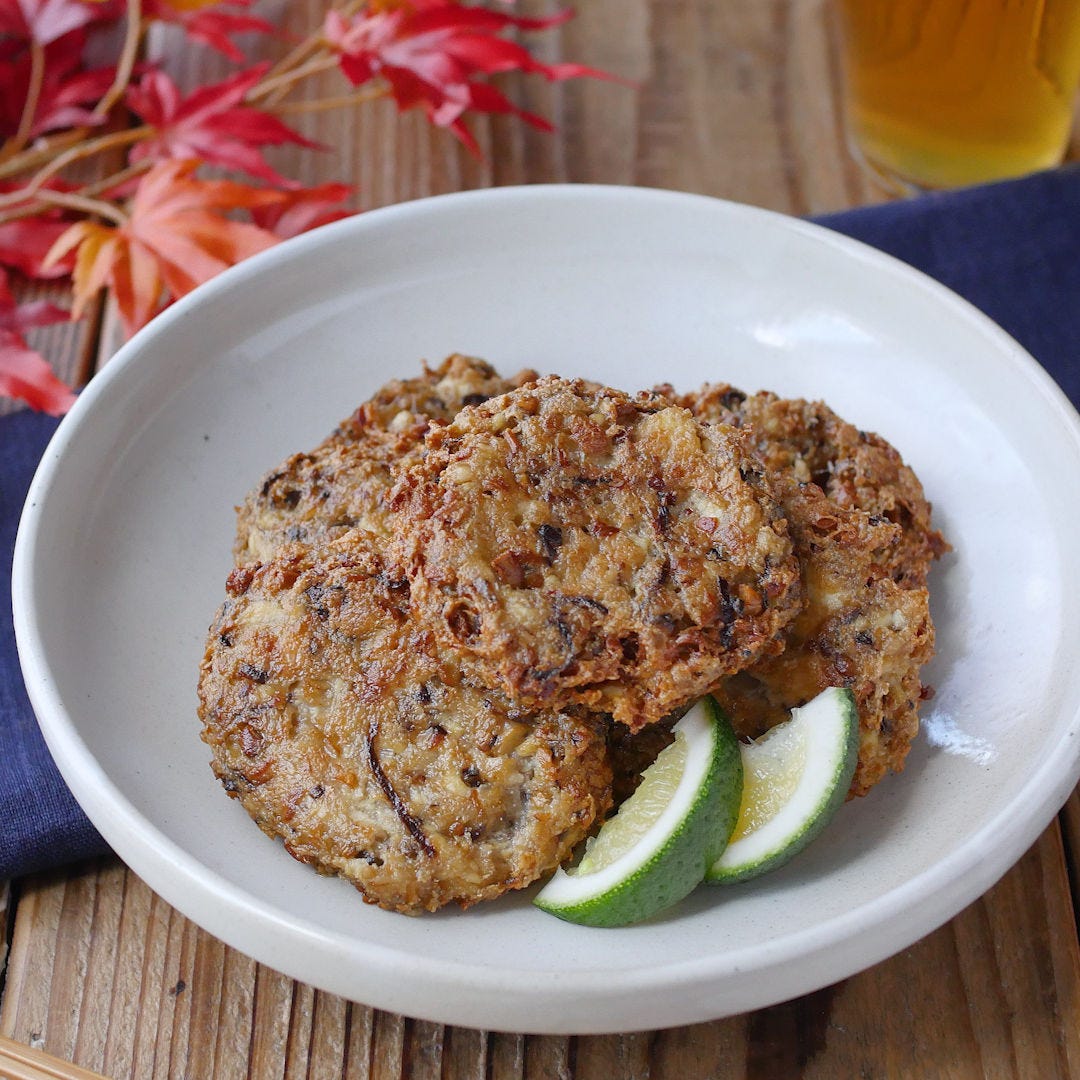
(856, 469)
(339, 734)
(861, 528)
(439, 394)
(341, 484)
(858, 628)
(575, 545)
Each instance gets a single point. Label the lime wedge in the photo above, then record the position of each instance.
(794, 779)
(657, 847)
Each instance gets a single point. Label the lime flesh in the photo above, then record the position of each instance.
(795, 779)
(657, 847)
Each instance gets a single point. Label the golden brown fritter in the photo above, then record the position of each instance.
(435, 611)
(337, 732)
(317, 496)
(858, 628)
(861, 528)
(578, 546)
(341, 484)
(856, 469)
(439, 394)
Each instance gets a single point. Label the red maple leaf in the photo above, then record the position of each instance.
(24, 373)
(44, 21)
(210, 27)
(67, 92)
(177, 237)
(25, 242)
(303, 209)
(432, 51)
(211, 124)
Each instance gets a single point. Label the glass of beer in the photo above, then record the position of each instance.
(943, 93)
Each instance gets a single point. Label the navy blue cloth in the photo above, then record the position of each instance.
(1012, 249)
(40, 823)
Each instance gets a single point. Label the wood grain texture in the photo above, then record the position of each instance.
(21, 1062)
(735, 98)
(7, 911)
(106, 974)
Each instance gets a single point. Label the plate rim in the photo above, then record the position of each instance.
(158, 859)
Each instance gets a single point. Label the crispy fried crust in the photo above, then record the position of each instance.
(856, 469)
(862, 534)
(858, 628)
(578, 546)
(332, 726)
(439, 394)
(340, 485)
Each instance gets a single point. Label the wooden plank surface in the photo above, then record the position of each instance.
(105, 973)
(736, 98)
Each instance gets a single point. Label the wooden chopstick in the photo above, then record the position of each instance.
(20, 1062)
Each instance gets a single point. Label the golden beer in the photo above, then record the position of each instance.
(942, 93)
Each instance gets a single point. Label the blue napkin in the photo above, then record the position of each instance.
(1012, 249)
(40, 823)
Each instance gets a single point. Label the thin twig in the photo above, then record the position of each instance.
(36, 204)
(296, 56)
(286, 80)
(126, 64)
(321, 104)
(11, 162)
(41, 151)
(306, 47)
(118, 178)
(112, 141)
(70, 201)
(33, 96)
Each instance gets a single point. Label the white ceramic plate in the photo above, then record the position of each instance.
(126, 544)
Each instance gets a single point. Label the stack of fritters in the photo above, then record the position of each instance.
(452, 618)
(861, 529)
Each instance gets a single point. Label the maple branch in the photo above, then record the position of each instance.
(285, 81)
(33, 95)
(70, 201)
(41, 151)
(294, 108)
(31, 209)
(11, 162)
(54, 94)
(126, 64)
(36, 204)
(312, 42)
(111, 141)
(296, 56)
(117, 178)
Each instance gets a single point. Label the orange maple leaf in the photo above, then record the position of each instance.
(177, 236)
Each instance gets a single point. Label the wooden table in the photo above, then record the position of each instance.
(737, 98)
